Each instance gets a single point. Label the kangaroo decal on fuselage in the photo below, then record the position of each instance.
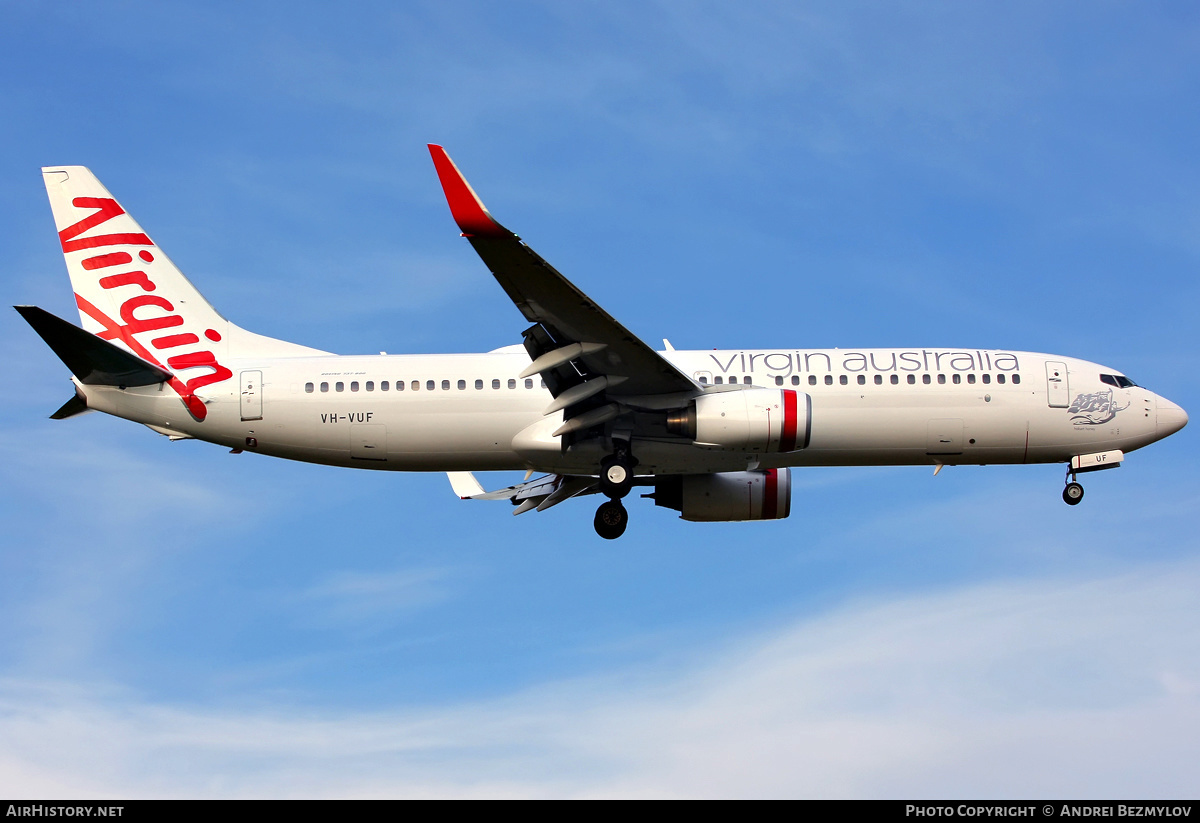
(1094, 409)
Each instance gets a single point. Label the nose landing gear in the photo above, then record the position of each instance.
(1073, 492)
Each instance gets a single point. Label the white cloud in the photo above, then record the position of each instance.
(356, 597)
(1051, 688)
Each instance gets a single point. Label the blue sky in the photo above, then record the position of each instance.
(178, 621)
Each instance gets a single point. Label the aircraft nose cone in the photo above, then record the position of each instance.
(1171, 418)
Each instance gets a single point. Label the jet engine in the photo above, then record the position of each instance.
(753, 419)
(727, 496)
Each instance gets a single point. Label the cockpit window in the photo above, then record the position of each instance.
(1120, 381)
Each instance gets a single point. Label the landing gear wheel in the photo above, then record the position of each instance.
(616, 476)
(1072, 494)
(611, 520)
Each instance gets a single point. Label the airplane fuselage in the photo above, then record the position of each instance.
(471, 412)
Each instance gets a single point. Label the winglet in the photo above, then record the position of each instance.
(465, 206)
(464, 484)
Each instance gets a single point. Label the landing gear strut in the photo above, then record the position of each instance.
(1073, 492)
(616, 479)
(611, 519)
(616, 472)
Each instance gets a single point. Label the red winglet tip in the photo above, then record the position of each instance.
(465, 206)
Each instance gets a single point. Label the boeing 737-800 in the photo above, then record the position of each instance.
(713, 434)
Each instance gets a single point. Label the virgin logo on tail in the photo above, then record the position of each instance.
(157, 312)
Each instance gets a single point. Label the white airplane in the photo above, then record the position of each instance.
(584, 401)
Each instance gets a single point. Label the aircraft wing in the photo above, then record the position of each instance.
(585, 356)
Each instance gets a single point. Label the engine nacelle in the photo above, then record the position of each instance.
(753, 419)
(728, 496)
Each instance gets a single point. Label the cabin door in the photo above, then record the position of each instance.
(1058, 392)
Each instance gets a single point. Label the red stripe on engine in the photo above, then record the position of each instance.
(787, 441)
(770, 506)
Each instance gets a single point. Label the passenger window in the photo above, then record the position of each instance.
(747, 380)
(879, 380)
(383, 386)
(829, 380)
(370, 385)
(1016, 379)
(512, 384)
(1000, 378)
(941, 379)
(495, 384)
(339, 386)
(862, 380)
(812, 380)
(416, 385)
(703, 380)
(308, 387)
(912, 380)
(970, 378)
(795, 380)
(733, 379)
(445, 385)
(462, 384)
(354, 385)
(529, 382)
(430, 385)
(926, 379)
(987, 378)
(956, 379)
(895, 379)
(778, 380)
(842, 379)
(324, 387)
(478, 385)
(718, 380)
(542, 383)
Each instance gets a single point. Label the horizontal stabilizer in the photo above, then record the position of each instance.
(93, 361)
(76, 405)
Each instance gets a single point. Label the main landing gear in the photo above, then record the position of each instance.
(1073, 492)
(616, 479)
(611, 519)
